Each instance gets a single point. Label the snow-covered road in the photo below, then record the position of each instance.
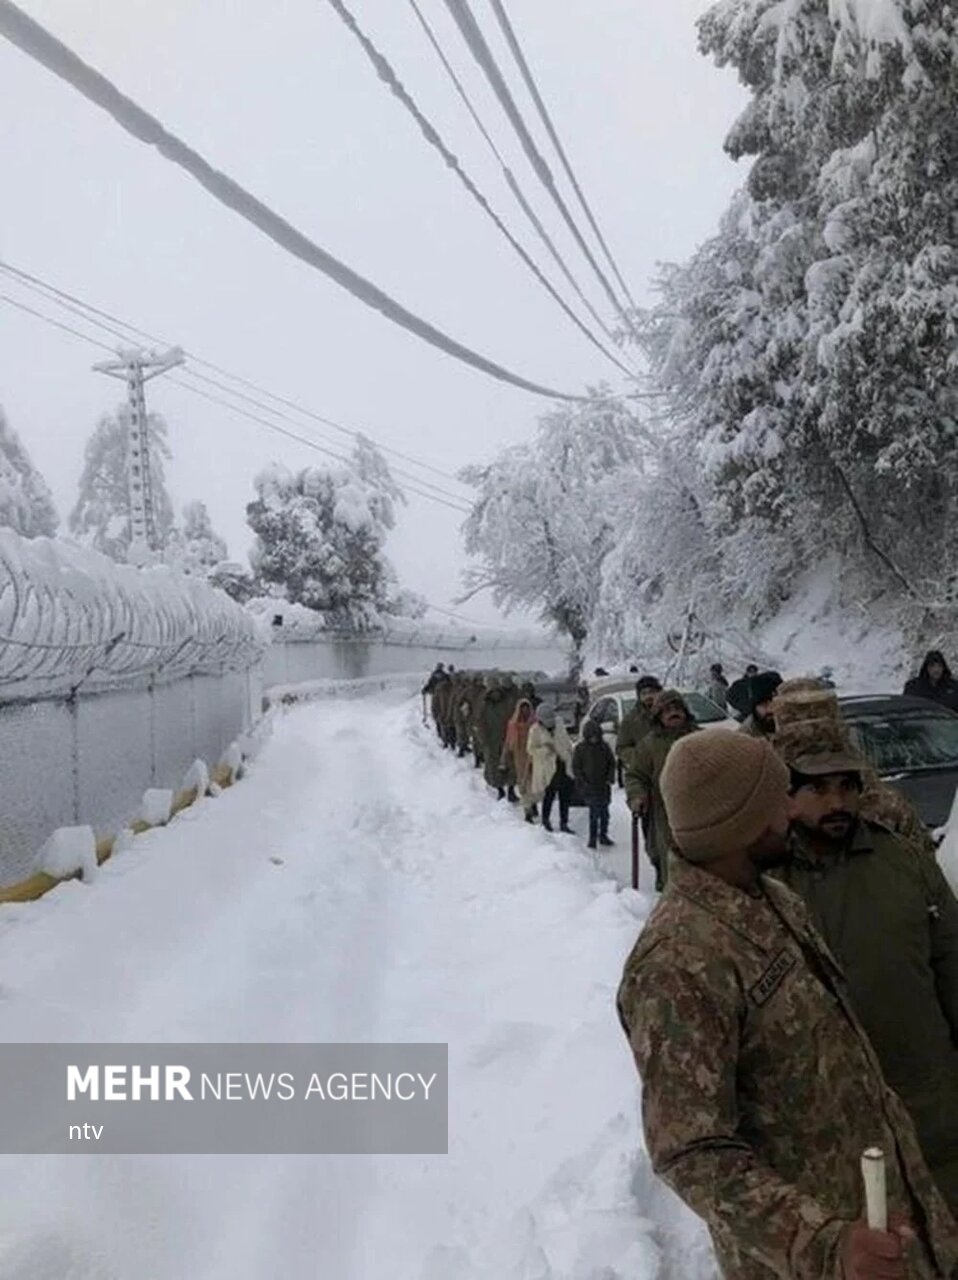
(406, 906)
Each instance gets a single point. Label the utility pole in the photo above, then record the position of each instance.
(136, 367)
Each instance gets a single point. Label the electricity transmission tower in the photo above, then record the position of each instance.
(136, 367)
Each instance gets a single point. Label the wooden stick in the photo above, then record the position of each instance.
(635, 851)
(873, 1173)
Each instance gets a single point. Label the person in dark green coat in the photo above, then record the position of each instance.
(760, 722)
(494, 715)
(671, 720)
(637, 722)
(891, 920)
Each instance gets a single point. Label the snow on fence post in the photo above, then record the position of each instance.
(111, 678)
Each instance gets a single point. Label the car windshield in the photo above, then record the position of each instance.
(897, 744)
(703, 709)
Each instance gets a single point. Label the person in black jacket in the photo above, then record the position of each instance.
(593, 766)
(934, 682)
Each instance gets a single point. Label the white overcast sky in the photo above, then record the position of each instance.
(280, 97)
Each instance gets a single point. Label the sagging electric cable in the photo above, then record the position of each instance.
(38, 43)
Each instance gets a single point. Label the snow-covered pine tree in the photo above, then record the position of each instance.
(101, 517)
(545, 516)
(321, 532)
(26, 504)
(197, 548)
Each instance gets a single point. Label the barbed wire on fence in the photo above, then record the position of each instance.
(71, 617)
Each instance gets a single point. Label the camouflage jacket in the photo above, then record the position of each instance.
(760, 1088)
(891, 808)
(891, 920)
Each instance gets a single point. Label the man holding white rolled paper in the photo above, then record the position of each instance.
(889, 917)
(760, 1088)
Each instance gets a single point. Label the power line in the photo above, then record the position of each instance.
(44, 48)
(388, 76)
(79, 307)
(509, 177)
(526, 71)
(454, 505)
(311, 444)
(57, 324)
(472, 34)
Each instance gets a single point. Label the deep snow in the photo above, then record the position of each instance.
(359, 884)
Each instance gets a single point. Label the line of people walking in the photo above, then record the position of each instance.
(522, 743)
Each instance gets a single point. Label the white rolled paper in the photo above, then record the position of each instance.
(876, 1203)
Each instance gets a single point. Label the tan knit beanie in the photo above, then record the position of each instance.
(722, 790)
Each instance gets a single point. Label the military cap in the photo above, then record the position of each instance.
(816, 748)
(805, 699)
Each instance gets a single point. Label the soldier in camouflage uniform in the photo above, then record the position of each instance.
(806, 699)
(760, 1089)
(890, 918)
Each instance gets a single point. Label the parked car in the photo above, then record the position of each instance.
(569, 698)
(914, 745)
(613, 700)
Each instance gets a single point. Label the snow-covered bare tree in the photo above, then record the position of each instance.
(196, 548)
(26, 504)
(101, 517)
(545, 515)
(321, 533)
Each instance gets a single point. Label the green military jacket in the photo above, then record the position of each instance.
(643, 768)
(494, 715)
(891, 920)
(760, 1089)
(634, 727)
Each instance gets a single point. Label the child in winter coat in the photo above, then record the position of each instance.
(593, 765)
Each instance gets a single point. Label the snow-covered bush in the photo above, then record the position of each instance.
(320, 535)
(197, 548)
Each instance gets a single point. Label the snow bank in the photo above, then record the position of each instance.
(819, 627)
(314, 690)
(67, 851)
(70, 616)
(156, 807)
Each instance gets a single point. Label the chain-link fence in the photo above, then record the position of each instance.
(112, 680)
(292, 660)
